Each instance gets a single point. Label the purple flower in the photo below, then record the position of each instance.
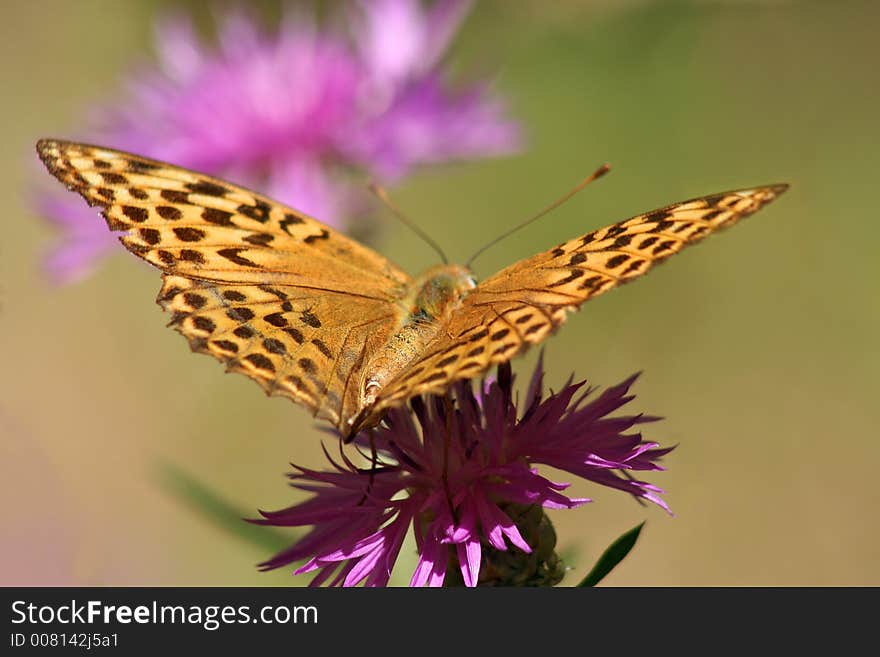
(461, 470)
(85, 241)
(294, 113)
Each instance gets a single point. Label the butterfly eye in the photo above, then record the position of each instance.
(471, 281)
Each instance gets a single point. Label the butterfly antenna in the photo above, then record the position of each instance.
(382, 195)
(598, 173)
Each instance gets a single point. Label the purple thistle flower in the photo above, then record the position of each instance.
(85, 241)
(460, 469)
(294, 113)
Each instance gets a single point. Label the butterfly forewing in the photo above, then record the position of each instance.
(522, 304)
(274, 294)
(190, 224)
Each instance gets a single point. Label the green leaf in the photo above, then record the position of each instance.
(615, 553)
(219, 511)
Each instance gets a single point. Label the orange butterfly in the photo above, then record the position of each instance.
(313, 315)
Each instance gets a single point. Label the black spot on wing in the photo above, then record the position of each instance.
(261, 362)
(290, 219)
(660, 227)
(311, 239)
(150, 235)
(258, 212)
(436, 376)
(322, 347)
(535, 328)
(234, 295)
(240, 314)
(276, 319)
(137, 166)
(244, 332)
(217, 217)
(190, 255)
(232, 254)
(139, 215)
(573, 276)
(663, 247)
(479, 335)
(504, 348)
(615, 261)
(309, 318)
(259, 239)
(448, 360)
(226, 345)
(194, 300)
(189, 234)
(635, 265)
(112, 178)
(174, 195)
(658, 215)
(274, 346)
(591, 283)
(207, 188)
(271, 290)
(296, 334)
(168, 212)
(204, 324)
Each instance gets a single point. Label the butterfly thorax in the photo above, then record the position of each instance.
(437, 291)
(431, 299)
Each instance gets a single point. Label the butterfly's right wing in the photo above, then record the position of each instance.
(522, 304)
(274, 294)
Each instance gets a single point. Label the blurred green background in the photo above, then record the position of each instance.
(760, 347)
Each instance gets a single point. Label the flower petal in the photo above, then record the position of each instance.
(469, 556)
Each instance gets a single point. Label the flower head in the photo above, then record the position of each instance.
(294, 112)
(461, 470)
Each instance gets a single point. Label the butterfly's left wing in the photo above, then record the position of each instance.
(522, 304)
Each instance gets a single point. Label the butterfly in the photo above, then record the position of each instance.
(315, 316)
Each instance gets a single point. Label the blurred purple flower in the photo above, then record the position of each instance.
(461, 470)
(84, 239)
(292, 113)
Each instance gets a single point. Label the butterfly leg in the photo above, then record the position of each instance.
(450, 412)
(374, 465)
